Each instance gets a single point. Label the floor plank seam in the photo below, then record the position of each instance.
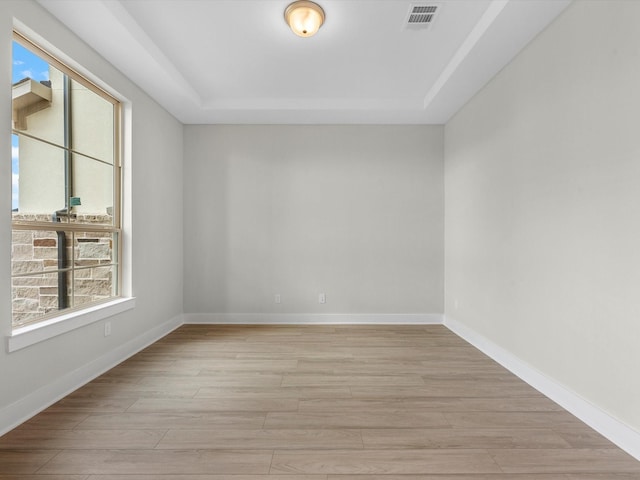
(47, 462)
(155, 447)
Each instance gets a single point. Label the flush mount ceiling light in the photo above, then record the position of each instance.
(304, 18)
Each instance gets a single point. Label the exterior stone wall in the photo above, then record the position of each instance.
(34, 257)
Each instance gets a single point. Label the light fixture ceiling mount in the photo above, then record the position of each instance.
(305, 18)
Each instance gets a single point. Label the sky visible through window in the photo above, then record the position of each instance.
(25, 64)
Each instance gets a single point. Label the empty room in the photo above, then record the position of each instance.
(328, 240)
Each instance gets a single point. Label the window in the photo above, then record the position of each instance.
(66, 175)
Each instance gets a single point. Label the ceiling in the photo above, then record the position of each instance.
(236, 61)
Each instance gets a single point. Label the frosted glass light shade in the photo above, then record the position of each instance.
(304, 18)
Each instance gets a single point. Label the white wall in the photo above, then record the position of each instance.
(155, 172)
(542, 182)
(355, 212)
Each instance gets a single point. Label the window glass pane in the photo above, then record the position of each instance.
(93, 284)
(34, 296)
(35, 251)
(46, 264)
(93, 189)
(93, 248)
(27, 64)
(15, 173)
(91, 123)
(38, 97)
(41, 180)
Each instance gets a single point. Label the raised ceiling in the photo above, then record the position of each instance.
(236, 61)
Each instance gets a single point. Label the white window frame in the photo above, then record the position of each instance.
(73, 318)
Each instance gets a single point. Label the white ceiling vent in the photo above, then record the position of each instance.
(421, 16)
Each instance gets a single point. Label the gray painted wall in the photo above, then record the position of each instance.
(155, 205)
(542, 184)
(355, 212)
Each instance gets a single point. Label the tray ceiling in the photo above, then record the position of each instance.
(236, 61)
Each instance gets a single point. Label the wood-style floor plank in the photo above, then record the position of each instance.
(240, 365)
(55, 420)
(493, 476)
(338, 402)
(135, 391)
(213, 379)
(351, 366)
(205, 477)
(274, 392)
(565, 461)
(362, 419)
(455, 438)
(30, 438)
(404, 461)
(510, 419)
(184, 420)
(262, 439)
(162, 405)
(92, 405)
(24, 461)
(35, 476)
(158, 462)
(582, 437)
(429, 404)
(447, 389)
(351, 380)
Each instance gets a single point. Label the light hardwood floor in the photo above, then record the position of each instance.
(309, 403)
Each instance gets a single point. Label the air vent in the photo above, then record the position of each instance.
(421, 16)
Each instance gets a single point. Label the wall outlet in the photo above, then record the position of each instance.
(107, 329)
(455, 303)
(322, 298)
(277, 298)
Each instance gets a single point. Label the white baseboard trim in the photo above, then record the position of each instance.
(617, 432)
(314, 318)
(29, 406)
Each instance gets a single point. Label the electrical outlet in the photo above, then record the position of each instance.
(322, 298)
(455, 304)
(277, 298)
(107, 329)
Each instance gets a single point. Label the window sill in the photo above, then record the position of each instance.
(31, 334)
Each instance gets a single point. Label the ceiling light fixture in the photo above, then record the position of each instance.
(305, 18)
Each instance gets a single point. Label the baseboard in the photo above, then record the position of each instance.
(314, 318)
(617, 432)
(29, 406)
